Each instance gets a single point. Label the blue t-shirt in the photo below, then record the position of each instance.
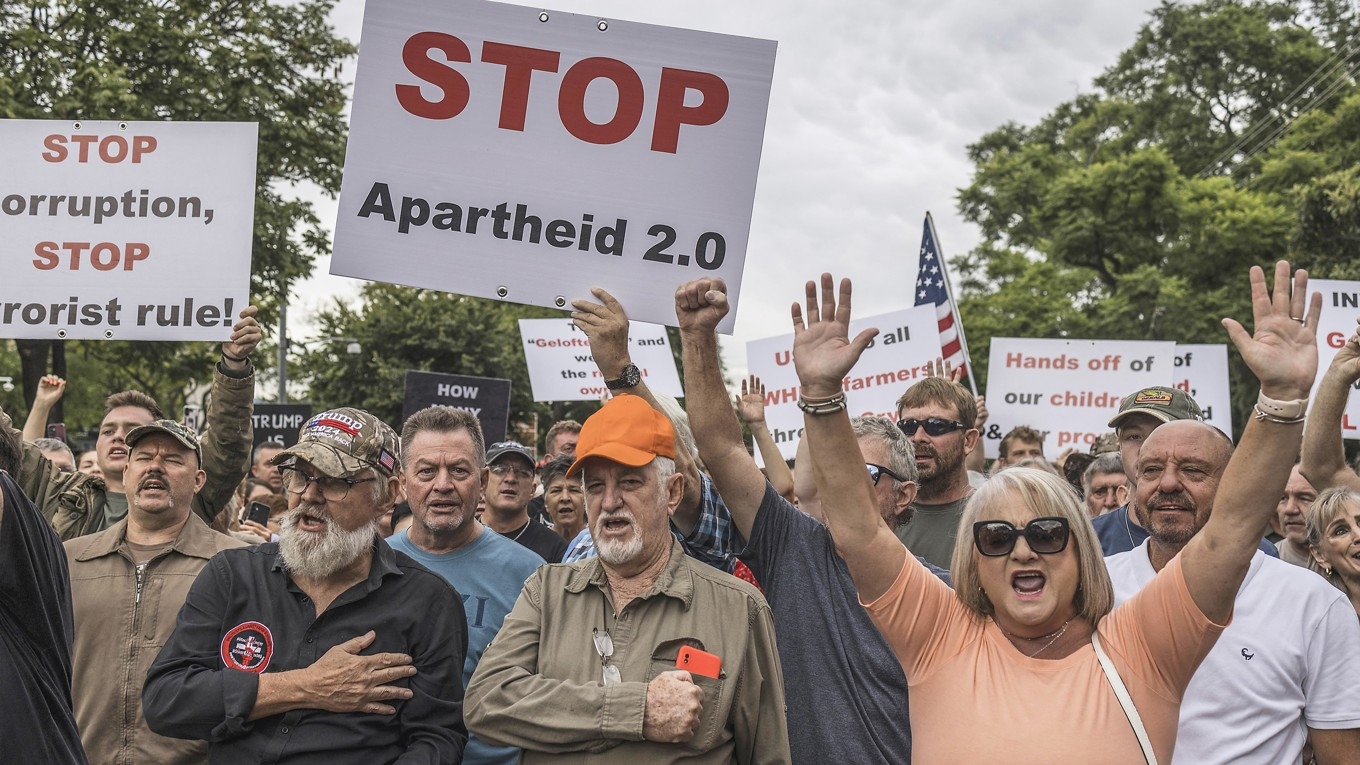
(488, 574)
(1118, 534)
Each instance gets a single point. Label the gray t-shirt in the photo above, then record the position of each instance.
(846, 694)
(931, 533)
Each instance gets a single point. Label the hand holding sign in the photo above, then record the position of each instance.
(606, 325)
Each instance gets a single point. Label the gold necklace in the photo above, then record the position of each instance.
(1052, 637)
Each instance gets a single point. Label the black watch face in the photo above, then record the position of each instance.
(631, 377)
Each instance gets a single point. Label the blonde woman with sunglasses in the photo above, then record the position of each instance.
(1005, 666)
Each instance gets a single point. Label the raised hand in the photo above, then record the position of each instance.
(674, 704)
(344, 681)
(606, 326)
(701, 304)
(1282, 350)
(50, 390)
(750, 402)
(823, 352)
(245, 335)
(1346, 362)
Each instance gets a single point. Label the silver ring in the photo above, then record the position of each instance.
(1299, 319)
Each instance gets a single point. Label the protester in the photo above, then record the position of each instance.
(443, 464)
(1288, 520)
(589, 665)
(1301, 634)
(1323, 460)
(1015, 640)
(826, 640)
(750, 404)
(565, 502)
(934, 413)
(1105, 484)
(58, 453)
(1333, 523)
(262, 465)
(89, 463)
(328, 646)
(510, 485)
(1020, 443)
(561, 439)
(128, 582)
(77, 503)
(37, 724)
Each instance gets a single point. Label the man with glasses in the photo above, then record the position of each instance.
(1105, 484)
(640, 654)
(327, 645)
(509, 487)
(1284, 670)
(933, 413)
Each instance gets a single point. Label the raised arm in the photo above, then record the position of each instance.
(1324, 454)
(823, 354)
(1282, 353)
(750, 404)
(50, 388)
(699, 306)
(228, 435)
(606, 326)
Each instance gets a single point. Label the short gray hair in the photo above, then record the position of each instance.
(1107, 463)
(901, 453)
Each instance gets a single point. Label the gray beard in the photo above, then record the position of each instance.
(319, 558)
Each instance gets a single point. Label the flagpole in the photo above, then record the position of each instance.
(954, 304)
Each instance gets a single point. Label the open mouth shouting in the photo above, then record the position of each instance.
(1028, 584)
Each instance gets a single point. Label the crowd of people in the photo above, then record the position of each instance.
(643, 591)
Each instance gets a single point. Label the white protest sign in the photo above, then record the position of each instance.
(562, 369)
(1067, 389)
(526, 155)
(908, 341)
(1340, 309)
(1202, 371)
(125, 230)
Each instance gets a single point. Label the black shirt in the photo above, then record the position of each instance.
(36, 721)
(547, 543)
(244, 616)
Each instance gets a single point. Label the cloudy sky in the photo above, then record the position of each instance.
(874, 103)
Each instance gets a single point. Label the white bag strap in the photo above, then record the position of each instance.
(1125, 701)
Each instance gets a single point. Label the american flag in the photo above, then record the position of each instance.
(932, 288)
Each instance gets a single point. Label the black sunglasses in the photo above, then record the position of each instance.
(1045, 536)
(934, 426)
(878, 471)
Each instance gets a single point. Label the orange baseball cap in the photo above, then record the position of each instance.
(626, 430)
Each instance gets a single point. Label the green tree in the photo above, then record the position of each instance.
(272, 63)
(1134, 212)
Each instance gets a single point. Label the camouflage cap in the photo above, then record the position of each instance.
(342, 442)
(171, 428)
(1166, 404)
(1105, 442)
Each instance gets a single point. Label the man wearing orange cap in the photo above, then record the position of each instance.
(639, 654)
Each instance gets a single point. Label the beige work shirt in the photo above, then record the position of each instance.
(538, 686)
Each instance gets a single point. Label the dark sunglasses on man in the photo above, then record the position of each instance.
(878, 471)
(1045, 536)
(933, 426)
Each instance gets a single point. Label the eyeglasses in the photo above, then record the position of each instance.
(878, 471)
(1101, 491)
(934, 426)
(502, 468)
(333, 489)
(604, 646)
(1045, 536)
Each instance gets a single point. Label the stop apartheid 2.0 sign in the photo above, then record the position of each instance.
(528, 155)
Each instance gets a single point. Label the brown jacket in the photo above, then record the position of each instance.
(121, 621)
(538, 686)
(74, 502)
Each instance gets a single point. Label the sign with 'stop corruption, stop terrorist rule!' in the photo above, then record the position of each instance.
(125, 230)
(528, 155)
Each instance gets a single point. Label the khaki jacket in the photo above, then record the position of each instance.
(538, 686)
(122, 619)
(74, 502)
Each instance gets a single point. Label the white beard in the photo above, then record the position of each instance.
(318, 556)
(618, 552)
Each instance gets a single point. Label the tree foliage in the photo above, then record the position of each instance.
(1224, 137)
(272, 63)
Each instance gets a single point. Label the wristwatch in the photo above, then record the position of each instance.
(629, 377)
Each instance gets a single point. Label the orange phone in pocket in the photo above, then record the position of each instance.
(698, 662)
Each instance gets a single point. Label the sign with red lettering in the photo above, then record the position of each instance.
(1202, 371)
(1067, 389)
(1340, 310)
(528, 155)
(562, 369)
(908, 341)
(125, 230)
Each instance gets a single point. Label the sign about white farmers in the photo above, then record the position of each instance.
(528, 155)
(1340, 309)
(562, 369)
(1067, 389)
(1202, 371)
(908, 341)
(125, 230)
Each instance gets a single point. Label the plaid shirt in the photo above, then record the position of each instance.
(711, 541)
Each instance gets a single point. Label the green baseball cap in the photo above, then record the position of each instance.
(171, 428)
(1166, 404)
(342, 442)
